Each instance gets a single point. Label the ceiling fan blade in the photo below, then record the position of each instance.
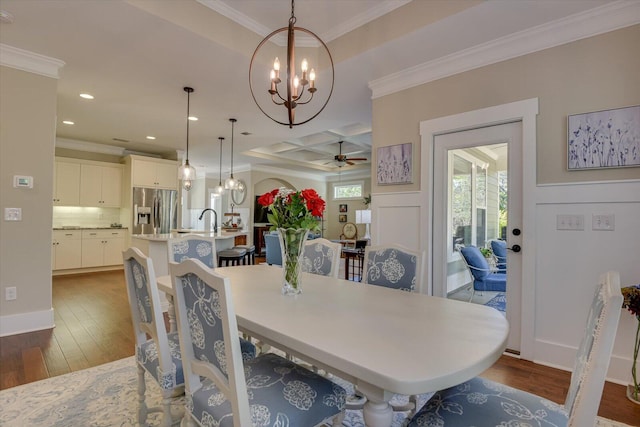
(357, 158)
(350, 163)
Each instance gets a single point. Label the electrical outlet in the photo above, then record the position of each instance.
(10, 293)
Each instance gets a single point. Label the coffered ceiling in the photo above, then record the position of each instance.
(135, 57)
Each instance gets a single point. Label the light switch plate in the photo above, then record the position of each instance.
(603, 222)
(13, 214)
(570, 222)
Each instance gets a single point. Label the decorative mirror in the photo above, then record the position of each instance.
(240, 193)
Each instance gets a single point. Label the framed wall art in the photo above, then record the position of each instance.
(342, 218)
(343, 207)
(604, 139)
(395, 164)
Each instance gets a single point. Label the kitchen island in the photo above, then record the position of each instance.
(156, 247)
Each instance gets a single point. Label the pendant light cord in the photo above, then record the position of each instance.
(188, 90)
(220, 170)
(233, 121)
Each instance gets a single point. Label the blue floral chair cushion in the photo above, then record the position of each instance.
(281, 393)
(195, 248)
(391, 267)
(484, 403)
(147, 356)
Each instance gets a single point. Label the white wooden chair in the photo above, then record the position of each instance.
(485, 403)
(322, 257)
(158, 356)
(217, 379)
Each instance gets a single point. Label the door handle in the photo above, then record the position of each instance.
(515, 248)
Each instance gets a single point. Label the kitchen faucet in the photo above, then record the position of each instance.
(215, 223)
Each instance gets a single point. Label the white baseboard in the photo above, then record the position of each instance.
(26, 322)
(563, 357)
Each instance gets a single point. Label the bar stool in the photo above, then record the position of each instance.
(236, 257)
(250, 257)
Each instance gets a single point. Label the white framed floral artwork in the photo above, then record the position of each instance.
(604, 139)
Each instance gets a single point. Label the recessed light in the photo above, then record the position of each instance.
(193, 118)
(86, 96)
(151, 137)
(68, 122)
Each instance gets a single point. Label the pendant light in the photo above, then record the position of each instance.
(186, 172)
(220, 188)
(231, 183)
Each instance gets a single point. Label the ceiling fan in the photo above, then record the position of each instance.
(342, 159)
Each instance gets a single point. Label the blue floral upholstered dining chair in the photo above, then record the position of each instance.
(322, 257)
(158, 356)
(483, 403)
(193, 246)
(223, 390)
(396, 267)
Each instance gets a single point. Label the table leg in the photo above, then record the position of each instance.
(377, 414)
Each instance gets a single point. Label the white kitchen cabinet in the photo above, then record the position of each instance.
(67, 249)
(102, 247)
(154, 173)
(66, 184)
(101, 186)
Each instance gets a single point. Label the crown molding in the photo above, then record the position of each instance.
(31, 62)
(603, 19)
(364, 18)
(74, 144)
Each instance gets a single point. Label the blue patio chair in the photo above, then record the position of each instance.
(484, 278)
(223, 390)
(483, 403)
(499, 249)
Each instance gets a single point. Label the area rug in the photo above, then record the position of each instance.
(499, 302)
(105, 396)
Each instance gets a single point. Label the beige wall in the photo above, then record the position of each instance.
(27, 135)
(593, 74)
(334, 227)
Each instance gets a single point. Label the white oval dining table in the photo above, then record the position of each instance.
(382, 340)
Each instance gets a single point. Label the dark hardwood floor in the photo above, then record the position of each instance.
(93, 326)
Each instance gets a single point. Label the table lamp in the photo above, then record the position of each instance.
(364, 217)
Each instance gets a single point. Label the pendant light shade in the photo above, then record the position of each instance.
(219, 189)
(186, 172)
(231, 183)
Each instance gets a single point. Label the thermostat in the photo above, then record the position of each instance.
(20, 181)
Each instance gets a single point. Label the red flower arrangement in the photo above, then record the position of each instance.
(293, 209)
(631, 302)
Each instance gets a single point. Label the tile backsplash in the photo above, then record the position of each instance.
(72, 216)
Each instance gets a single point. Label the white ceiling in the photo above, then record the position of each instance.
(136, 56)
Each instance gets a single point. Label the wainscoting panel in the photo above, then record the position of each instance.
(569, 262)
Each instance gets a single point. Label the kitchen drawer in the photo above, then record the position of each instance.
(103, 234)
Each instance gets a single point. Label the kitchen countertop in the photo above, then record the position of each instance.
(168, 236)
(90, 228)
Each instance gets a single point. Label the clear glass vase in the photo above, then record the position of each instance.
(292, 247)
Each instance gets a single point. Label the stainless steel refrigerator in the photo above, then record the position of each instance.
(154, 211)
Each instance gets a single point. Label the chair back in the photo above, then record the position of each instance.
(322, 257)
(393, 266)
(274, 253)
(144, 302)
(193, 246)
(594, 353)
(209, 334)
(474, 259)
(499, 249)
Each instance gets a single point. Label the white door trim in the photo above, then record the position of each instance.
(525, 111)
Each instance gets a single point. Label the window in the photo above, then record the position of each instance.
(352, 190)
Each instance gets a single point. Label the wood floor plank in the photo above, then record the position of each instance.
(35, 367)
